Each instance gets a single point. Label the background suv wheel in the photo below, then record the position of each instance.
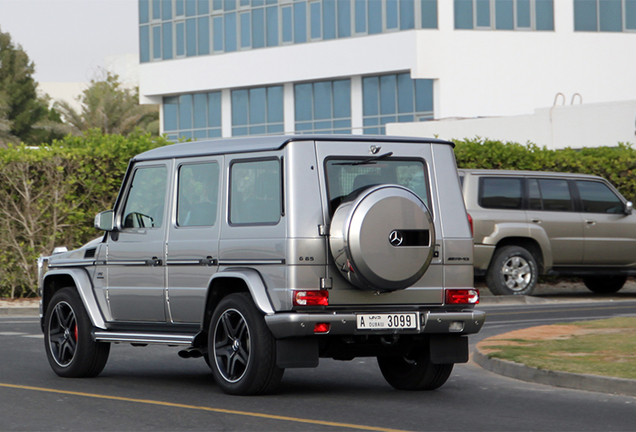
(512, 271)
(604, 284)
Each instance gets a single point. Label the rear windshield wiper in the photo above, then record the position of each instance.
(367, 161)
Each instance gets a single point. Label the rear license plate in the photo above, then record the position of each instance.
(388, 321)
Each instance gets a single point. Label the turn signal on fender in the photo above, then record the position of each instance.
(311, 298)
(462, 296)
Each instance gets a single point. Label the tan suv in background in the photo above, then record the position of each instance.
(529, 223)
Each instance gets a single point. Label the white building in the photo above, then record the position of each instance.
(235, 67)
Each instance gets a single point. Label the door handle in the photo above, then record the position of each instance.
(537, 221)
(155, 262)
(590, 222)
(208, 261)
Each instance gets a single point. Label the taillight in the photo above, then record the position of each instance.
(311, 298)
(462, 296)
(322, 328)
(470, 222)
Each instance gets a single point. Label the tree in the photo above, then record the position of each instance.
(24, 115)
(111, 108)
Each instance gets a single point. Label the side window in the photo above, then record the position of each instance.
(255, 192)
(598, 198)
(197, 198)
(556, 195)
(500, 193)
(146, 198)
(534, 193)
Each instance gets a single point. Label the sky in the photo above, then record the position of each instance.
(68, 40)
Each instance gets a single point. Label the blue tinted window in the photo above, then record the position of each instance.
(463, 14)
(217, 23)
(239, 107)
(300, 22)
(144, 44)
(185, 112)
(630, 14)
(342, 99)
(156, 9)
(315, 20)
(179, 8)
(214, 110)
(610, 15)
(429, 14)
(167, 40)
(170, 117)
(388, 93)
(180, 38)
(275, 105)
(407, 14)
(544, 14)
(258, 28)
(144, 14)
(375, 17)
(391, 14)
(344, 18)
(394, 98)
(246, 39)
(200, 110)
(370, 96)
(504, 15)
(191, 7)
(328, 19)
(361, 16)
(204, 35)
(272, 26)
(217, 5)
(585, 17)
(203, 7)
(156, 42)
(523, 14)
(483, 13)
(303, 101)
(230, 32)
(322, 100)
(257, 105)
(229, 5)
(287, 24)
(166, 10)
(191, 37)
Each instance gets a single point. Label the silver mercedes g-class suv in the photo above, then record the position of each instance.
(266, 253)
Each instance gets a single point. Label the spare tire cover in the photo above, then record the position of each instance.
(383, 239)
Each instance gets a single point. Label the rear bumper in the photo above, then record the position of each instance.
(292, 324)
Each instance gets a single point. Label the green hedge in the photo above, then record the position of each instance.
(49, 195)
(616, 164)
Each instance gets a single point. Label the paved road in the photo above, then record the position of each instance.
(153, 389)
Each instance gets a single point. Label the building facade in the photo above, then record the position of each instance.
(223, 68)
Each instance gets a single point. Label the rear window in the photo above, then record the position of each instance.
(345, 176)
(501, 193)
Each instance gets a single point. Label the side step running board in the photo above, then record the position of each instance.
(144, 338)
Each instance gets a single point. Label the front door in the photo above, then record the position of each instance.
(193, 237)
(135, 259)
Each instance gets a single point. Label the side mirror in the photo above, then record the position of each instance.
(105, 221)
(629, 207)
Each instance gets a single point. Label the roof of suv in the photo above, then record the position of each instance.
(495, 172)
(265, 143)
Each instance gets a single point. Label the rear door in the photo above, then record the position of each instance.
(610, 234)
(551, 207)
(193, 237)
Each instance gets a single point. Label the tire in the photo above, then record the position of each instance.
(605, 284)
(414, 371)
(68, 339)
(242, 350)
(513, 271)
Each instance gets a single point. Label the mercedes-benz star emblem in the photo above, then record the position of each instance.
(395, 238)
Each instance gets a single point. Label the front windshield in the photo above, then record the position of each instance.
(345, 176)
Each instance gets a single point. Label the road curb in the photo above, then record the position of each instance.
(575, 381)
(20, 311)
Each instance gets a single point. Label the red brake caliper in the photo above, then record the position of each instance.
(75, 332)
